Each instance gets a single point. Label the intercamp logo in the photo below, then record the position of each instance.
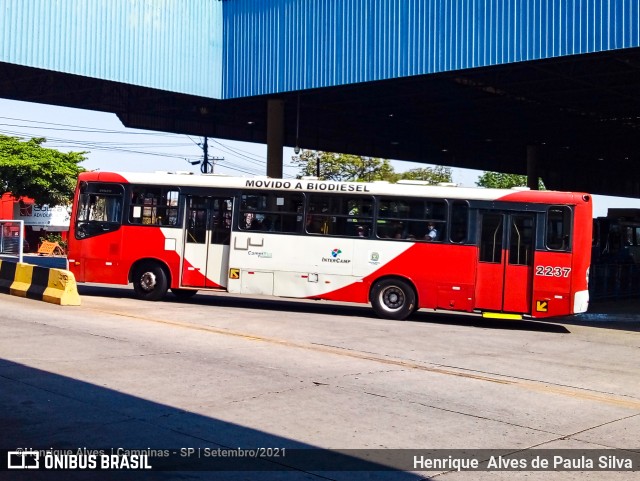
(335, 257)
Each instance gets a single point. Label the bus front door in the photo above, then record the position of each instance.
(206, 241)
(505, 264)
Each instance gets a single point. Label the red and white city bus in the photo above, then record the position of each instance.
(501, 253)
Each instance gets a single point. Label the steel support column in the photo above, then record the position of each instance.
(533, 152)
(275, 137)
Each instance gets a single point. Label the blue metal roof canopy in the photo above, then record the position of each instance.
(242, 48)
(285, 45)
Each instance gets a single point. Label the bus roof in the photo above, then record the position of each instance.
(408, 189)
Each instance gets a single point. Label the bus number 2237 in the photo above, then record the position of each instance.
(551, 271)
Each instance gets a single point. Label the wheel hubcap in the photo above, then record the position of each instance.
(148, 281)
(393, 298)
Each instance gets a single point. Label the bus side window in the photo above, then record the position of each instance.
(412, 219)
(272, 212)
(558, 235)
(459, 222)
(151, 205)
(339, 215)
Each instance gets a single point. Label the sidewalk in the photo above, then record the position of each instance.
(58, 262)
(623, 314)
(630, 306)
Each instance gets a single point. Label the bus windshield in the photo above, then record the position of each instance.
(99, 212)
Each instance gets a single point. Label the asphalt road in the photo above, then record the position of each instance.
(223, 371)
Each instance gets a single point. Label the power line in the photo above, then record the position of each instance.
(240, 152)
(132, 147)
(68, 143)
(79, 128)
(242, 157)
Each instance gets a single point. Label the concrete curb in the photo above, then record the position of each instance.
(57, 286)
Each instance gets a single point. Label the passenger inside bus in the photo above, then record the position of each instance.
(432, 233)
(258, 222)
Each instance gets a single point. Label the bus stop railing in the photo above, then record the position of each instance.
(12, 238)
(614, 280)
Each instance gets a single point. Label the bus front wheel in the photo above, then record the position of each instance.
(150, 282)
(393, 299)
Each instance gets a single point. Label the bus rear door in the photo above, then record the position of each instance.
(504, 274)
(206, 244)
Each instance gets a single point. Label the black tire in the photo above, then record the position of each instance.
(184, 294)
(150, 281)
(393, 299)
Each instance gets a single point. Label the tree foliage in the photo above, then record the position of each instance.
(434, 174)
(497, 180)
(345, 167)
(46, 175)
(357, 168)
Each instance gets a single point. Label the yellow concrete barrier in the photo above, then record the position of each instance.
(57, 286)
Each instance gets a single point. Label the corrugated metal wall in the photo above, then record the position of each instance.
(235, 48)
(284, 45)
(173, 45)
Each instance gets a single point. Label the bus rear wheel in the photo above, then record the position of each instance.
(150, 282)
(393, 299)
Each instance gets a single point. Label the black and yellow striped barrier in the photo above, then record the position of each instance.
(57, 286)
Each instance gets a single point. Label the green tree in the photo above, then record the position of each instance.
(434, 174)
(497, 180)
(46, 175)
(344, 167)
(357, 168)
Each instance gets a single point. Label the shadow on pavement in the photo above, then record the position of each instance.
(40, 410)
(329, 308)
(620, 314)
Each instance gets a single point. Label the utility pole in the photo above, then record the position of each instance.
(207, 165)
(204, 167)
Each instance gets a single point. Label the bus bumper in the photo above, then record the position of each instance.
(580, 302)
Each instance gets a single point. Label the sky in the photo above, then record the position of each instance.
(110, 146)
